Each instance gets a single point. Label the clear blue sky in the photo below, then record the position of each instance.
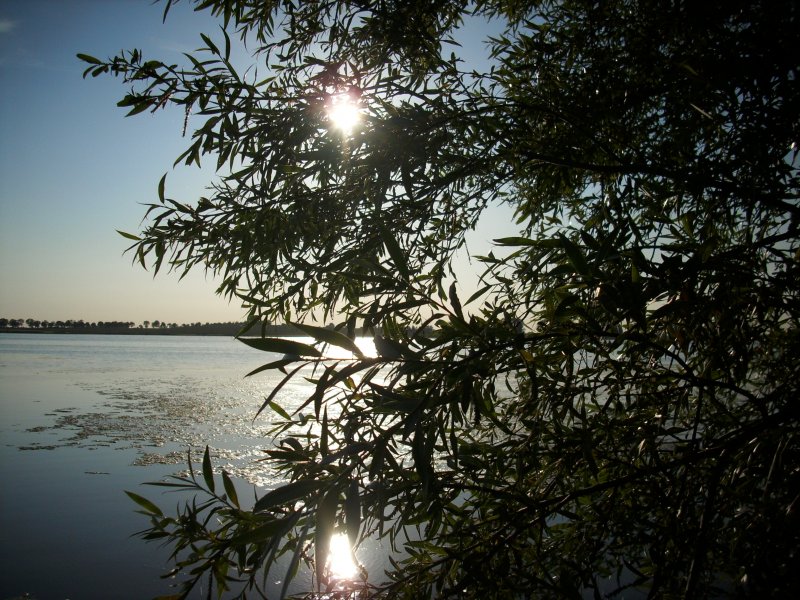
(73, 170)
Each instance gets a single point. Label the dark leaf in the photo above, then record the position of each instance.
(352, 513)
(230, 489)
(208, 473)
(329, 336)
(281, 346)
(287, 494)
(148, 506)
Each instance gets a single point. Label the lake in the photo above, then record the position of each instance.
(85, 417)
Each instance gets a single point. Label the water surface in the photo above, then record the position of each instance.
(85, 417)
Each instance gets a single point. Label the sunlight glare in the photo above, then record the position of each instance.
(344, 112)
(340, 559)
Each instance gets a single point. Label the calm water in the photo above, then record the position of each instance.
(85, 417)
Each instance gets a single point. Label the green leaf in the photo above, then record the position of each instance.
(576, 257)
(211, 45)
(291, 571)
(454, 301)
(161, 185)
(515, 241)
(275, 390)
(277, 408)
(230, 489)
(329, 336)
(264, 531)
(208, 473)
(89, 59)
(352, 513)
(148, 506)
(129, 236)
(289, 493)
(395, 252)
(478, 294)
(281, 346)
(323, 531)
(323, 442)
(277, 364)
(140, 107)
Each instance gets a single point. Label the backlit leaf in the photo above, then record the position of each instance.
(281, 346)
(329, 336)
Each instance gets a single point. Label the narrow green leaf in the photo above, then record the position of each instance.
(161, 185)
(89, 59)
(230, 489)
(277, 364)
(576, 257)
(281, 346)
(291, 571)
(277, 408)
(323, 531)
(227, 44)
(352, 513)
(140, 107)
(514, 241)
(276, 389)
(291, 492)
(395, 252)
(211, 45)
(145, 504)
(329, 336)
(323, 443)
(170, 484)
(478, 294)
(129, 236)
(264, 531)
(208, 473)
(454, 301)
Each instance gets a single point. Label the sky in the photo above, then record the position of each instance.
(74, 170)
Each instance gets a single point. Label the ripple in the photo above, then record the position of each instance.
(180, 416)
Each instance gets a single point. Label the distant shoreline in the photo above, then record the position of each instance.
(102, 331)
(209, 329)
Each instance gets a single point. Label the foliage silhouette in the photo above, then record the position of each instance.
(615, 406)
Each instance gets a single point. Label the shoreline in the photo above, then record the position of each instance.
(211, 329)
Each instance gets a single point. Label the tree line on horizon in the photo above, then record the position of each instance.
(29, 323)
(217, 328)
(81, 324)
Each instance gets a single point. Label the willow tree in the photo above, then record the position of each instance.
(615, 404)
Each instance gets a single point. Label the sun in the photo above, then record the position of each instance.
(344, 112)
(340, 558)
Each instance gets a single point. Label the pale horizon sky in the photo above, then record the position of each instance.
(73, 169)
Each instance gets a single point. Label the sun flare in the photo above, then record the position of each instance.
(344, 112)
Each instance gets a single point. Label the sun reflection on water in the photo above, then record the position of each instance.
(341, 564)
